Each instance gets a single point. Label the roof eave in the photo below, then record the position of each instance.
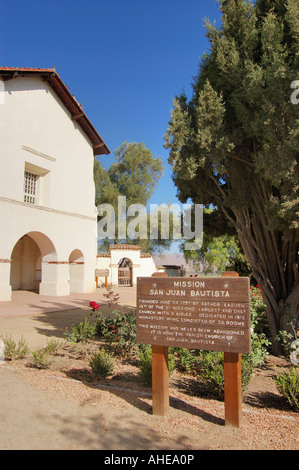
(78, 115)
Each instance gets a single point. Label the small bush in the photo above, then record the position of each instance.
(288, 385)
(211, 365)
(211, 372)
(119, 330)
(145, 358)
(145, 366)
(81, 332)
(186, 359)
(258, 311)
(52, 346)
(41, 359)
(102, 364)
(15, 350)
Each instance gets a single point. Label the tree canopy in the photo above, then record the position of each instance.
(135, 175)
(235, 143)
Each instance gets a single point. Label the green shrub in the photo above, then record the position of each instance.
(211, 365)
(145, 366)
(145, 363)
(52, 345)
(285, 339)
(119, 330)
(287, 384)
(81, 332)
(15, 350)
(186, 359)
(41, 358)
(259, 320)
(102, 364)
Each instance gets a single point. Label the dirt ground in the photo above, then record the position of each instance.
(64, 408)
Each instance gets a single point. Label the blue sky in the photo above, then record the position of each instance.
(124, 60)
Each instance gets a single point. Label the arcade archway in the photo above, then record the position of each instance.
(27, 258)
(125, 272)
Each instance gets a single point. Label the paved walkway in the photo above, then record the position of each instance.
(26, 303)
(36, 317)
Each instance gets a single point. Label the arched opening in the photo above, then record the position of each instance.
(76, 263)
(27, 258)
(125, 272)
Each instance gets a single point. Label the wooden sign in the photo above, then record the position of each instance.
(209, 313)
(102, 272)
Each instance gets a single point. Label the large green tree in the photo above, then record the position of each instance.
(235, 142)
(135, 175)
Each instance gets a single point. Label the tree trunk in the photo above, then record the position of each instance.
(282, 315)
(273, 260)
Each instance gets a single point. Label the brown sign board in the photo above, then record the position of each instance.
(208, 313)
(102, 272)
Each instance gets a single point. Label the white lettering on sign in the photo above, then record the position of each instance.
(193, 293)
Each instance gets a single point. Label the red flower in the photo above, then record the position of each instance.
(94, 305)
(258, 286)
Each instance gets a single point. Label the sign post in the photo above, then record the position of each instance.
(232, 389)
(232, 383)
(209, 313)
(160, 380)
(102, 273)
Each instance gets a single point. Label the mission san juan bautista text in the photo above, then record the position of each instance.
(180, 292)
(207, 313)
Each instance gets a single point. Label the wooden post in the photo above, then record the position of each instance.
(232, 389)
(232, 382)
(160, 380)
(160, 375)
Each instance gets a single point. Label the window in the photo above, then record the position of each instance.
(30, 180)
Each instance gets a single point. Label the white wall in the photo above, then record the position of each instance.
(37, 133)
(33, 117)
(141, 266)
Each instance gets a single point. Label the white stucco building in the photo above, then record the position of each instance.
(123, 264)
(48, 237)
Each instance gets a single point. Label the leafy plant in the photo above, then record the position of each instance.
(259, 328)
(287, 384)
(285, 338)
(145, 364)
(81, 332)
(41, 358)
(102, 364)
(119, 329)
(210, 364)
(186, 359)
(15, 350)
(259, 320)
(52, 346)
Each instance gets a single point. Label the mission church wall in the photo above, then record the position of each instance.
(39, 237)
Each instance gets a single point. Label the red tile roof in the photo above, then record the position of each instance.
(124, 247)
(52, 77)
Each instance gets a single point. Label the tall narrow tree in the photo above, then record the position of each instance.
(235, 143)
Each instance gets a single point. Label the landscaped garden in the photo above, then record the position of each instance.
(102, 349)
